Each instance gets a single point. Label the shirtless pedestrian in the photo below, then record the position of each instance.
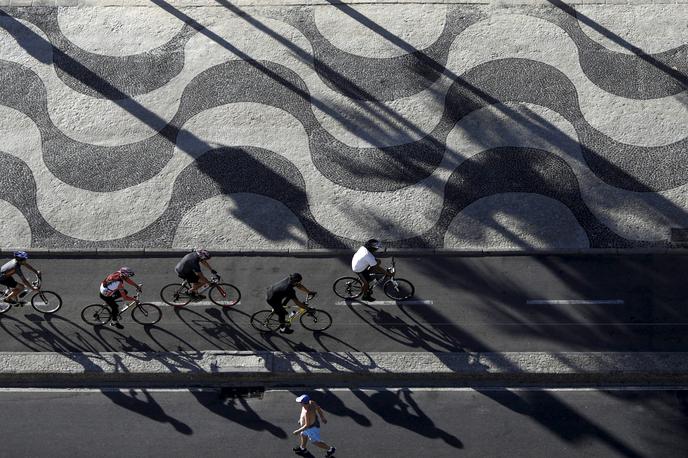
(311, 415)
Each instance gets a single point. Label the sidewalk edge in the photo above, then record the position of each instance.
(344, 368)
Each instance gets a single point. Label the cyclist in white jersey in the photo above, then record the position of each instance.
(366, 266)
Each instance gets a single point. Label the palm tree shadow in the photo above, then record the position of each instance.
(400, 409)
(229, 409)
(555, 415)
(148, 407)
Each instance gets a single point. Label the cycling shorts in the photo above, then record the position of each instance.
(191, 278)
(10, 282)
(367, 274)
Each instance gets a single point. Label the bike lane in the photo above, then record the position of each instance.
(511, 303)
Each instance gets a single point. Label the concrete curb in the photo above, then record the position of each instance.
(244, 3)
(329, 253)
(217, 368)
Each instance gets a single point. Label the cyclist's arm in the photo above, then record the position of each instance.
(31, 268)
(304, 289)
(377, 268)
(132, 283)
(23, 279)
(207, 264)
(298, 302)
(124, 295)
(122, 291)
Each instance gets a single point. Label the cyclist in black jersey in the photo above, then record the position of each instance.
(189, 269)
(279, 294)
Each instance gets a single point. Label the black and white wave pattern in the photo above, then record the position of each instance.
(423, 125)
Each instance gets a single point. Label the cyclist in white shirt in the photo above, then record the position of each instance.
(11, 268)
(366, 266)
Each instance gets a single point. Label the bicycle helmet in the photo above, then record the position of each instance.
(203, 254)
(21, 255)
(373, 245)
(126, 272)
(295, 278)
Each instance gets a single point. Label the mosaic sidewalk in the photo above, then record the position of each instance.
(442, 125)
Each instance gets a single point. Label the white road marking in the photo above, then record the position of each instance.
(190, 304)
(408, 302)
(574, 302)
(488, 388)
(372, 390)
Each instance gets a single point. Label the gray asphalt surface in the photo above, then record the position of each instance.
(379, 423)
(477, 304)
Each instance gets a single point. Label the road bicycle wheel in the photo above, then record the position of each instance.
(146, 313)
(224, 295)
(175, 294)
(265, 321)
(399, 289)
(46, 302)
(96, 314)
(316, 320)
(4, 306)
(347, 287)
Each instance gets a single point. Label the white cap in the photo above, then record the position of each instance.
(303, 399)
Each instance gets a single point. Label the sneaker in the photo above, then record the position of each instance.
(330, 451)
(367, 298)
(298, 450)
(196, 296)
(285, 330)
(116, 324)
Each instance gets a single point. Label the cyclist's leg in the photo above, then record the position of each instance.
(195, 282)
(13, 288)
(366, 277)
(111, 301)
(281, 314)
(364, 282)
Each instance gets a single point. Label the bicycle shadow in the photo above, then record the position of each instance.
(219, 329)
(405, 330)
(45, 334)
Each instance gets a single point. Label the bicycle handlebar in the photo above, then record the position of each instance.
(310, 296)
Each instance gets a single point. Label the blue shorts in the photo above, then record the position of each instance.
(313, 433)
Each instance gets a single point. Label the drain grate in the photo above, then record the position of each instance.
(679, 235)
(233, 392)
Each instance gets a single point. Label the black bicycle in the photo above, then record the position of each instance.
(398, 289)
(311, 318)
(222, 294)
(41, 300)
(142, 312)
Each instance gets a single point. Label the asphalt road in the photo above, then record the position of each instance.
(474, 304)
(379, 423)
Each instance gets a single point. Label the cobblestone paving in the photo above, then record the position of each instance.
(436, 125)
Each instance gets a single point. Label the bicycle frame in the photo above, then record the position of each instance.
(135, 302)
(212, 281)
(382, 279)
(36, 283)
(299, 311)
